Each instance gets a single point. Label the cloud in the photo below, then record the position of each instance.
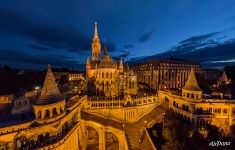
(230, 19)
(196, 42)
(109, 45)
(38, 47)
(124, 54)
(127, 46)
(17, 56)
(45, 34)
(144, 37)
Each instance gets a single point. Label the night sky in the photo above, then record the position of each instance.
(34, 33)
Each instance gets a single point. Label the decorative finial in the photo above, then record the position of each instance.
(49, 66)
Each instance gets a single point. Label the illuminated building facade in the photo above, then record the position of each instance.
(166, 74)
(107, 77)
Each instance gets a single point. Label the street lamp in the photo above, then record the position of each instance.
(123, 125)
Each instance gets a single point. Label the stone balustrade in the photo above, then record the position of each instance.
(119, 103)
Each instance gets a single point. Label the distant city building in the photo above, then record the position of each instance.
(107, 77)
(165, 74)
(75, 76)
(5, 100)
(59, 74)
(212, 74)
(21, 105)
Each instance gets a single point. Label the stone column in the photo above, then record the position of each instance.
(102, 139)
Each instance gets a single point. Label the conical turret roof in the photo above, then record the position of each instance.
(191, 83)
(224, 77)
(50, 92)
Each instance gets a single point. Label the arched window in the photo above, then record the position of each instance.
(187, 95)
(39, 115)
(107, 74)
(192, 95)
(54, 112)
(47, 115)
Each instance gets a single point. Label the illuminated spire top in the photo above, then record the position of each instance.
(88, 61)
(96, 31)
(191, 83)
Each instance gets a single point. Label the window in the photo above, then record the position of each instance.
(225, 111)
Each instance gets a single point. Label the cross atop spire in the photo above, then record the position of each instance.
(49, 86)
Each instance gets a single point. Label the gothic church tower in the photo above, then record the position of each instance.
(96, 46)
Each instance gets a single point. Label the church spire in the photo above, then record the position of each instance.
(49, 86)
(96, 46)
(96, 31)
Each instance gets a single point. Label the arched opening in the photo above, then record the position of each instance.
(192, 95)
(41, 139)
(61, 110)
(187, 95)
(54, 112)
(39, 115)
(166, 99)
(92, 139)
(47, 115)
(112, 142)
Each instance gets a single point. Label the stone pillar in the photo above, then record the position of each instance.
(51, 113)
(58, 110)
(102, 139)
(43, 114)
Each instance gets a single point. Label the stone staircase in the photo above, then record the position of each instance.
(135, 144)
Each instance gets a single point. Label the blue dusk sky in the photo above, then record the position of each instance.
(34, 33)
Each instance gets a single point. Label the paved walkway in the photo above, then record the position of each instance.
(136, 138)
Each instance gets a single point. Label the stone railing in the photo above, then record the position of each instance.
(61, 141)
(15, 128)
(190, 114)
(206, 100)
(119, 103)
(149, 138)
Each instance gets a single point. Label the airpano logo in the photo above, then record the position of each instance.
(219, 143)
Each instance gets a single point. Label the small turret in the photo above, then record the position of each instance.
(50, 106)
